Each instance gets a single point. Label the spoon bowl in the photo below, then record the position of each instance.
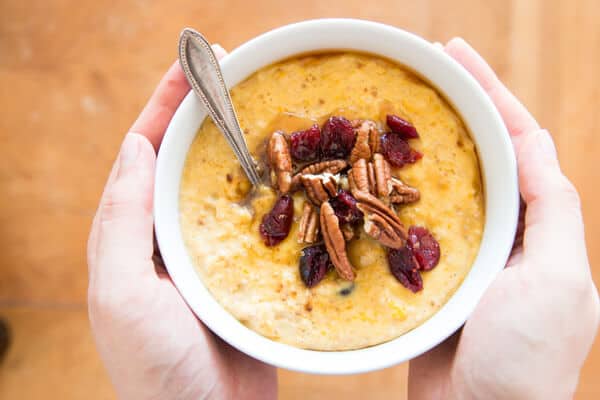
(202, 70)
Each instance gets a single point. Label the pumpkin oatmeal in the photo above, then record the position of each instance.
(371, 214)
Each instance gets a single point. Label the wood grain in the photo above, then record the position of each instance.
(74, 76)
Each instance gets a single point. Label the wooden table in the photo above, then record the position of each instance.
(75, 74)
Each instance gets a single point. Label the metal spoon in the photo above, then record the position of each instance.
(202, 71)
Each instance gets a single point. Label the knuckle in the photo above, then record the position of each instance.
(117, 202)
(569, 192)
(118, 193)
(100, 306)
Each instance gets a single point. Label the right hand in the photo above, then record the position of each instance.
(535, 325)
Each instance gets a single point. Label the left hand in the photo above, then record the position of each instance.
(150, 341)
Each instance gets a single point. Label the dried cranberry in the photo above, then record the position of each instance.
(402, 127)
(404, 268)
(275, 225)
(306, 145)
(314, 264)
(397, 151)
(424, 246)
(337, 138)
(344, 206)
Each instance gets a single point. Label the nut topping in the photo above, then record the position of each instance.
(319, 188)
(335, 242)
(374, 141)
(361, 148)
(281, 161)
(371, 177)
(381, 222)
(329, 167)
(402, 193)
(362, 177)
(383, 176)
(309, 224)
(340, 201)
(358, 177)
(376, 178)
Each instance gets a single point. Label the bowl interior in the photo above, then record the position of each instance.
(498, 173)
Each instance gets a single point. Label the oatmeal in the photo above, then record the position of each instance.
(372, 215)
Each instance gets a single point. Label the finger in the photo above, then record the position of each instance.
(161, 107)
(553, 223)
(516, 117)
(124, 222)
(157, 114)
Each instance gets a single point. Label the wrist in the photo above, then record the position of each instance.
(495, 387)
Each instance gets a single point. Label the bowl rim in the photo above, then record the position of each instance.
(498, 170)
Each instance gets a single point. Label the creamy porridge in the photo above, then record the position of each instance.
(262, 285)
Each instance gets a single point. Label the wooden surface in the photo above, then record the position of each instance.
(75, 74)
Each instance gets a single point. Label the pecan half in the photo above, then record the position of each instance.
(351, 183)
(374, 141)
(383, 176)
(319, 188)
(402, 193)
(330, 166)
(376, 178)
(335, 243)
(281, 161)
(309, 224)
(358, 176)
(361, 147)
(381, 222)
(371, 177)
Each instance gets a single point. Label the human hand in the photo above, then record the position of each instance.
(150, 342)
(533, 328)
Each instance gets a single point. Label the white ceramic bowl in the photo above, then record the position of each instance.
(498, 172)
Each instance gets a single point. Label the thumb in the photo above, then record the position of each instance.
(124, 221)
(553, 223)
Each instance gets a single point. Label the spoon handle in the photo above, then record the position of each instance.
(202, 71)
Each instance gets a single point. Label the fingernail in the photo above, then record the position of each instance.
(129, 152)
(545, 144)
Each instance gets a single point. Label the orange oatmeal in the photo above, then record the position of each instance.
(358, 303)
